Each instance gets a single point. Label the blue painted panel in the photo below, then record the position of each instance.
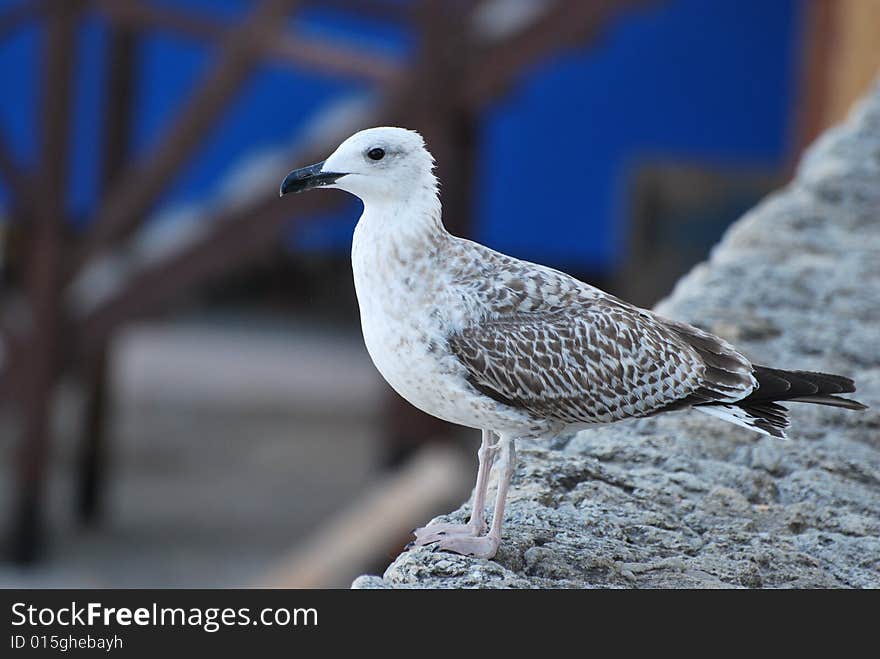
(707, 85)
(19, 71)
(705, 82)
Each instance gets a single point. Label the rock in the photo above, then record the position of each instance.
(686, 501)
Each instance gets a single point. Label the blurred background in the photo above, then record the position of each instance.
(185, 399)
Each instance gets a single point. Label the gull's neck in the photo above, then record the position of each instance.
(397, 254)
(408, 226)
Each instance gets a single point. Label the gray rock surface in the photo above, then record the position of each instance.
(684, 500)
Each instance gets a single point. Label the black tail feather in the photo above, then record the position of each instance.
(760, 410)
(773, 413)
(769, 417)
(776, 385)
(831, 401)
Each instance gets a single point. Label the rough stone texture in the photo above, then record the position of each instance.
(684, 500)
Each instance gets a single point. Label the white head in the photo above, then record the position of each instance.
(378, 165)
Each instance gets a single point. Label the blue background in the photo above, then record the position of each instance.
(706, 83)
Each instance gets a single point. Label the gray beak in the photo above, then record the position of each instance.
(307, 178)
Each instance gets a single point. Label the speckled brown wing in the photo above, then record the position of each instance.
(599, 362)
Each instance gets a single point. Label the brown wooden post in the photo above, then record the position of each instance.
(92, 458)
(43, 280)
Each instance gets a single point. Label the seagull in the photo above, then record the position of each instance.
(516, 349)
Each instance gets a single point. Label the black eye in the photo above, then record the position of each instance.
(376, 154)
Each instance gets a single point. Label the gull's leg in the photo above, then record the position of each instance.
(487, 545)
(477, 524)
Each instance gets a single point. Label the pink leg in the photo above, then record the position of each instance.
(486, 546)
(477, 524)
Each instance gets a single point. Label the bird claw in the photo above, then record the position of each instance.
(462, 539)
(434, 532)
(484, 546)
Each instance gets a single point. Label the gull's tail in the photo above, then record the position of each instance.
(760, 410)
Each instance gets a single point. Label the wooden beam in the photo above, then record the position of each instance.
(132, 197)
(12, 348)
(381, 10)
(314, 56)
(13, 18)
(44, 278)
(237, 237)
(494, 68)
(17, 179)
(300, 53)
(144, 16)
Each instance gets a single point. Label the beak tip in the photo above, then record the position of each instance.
(288, 185)
(307, 178)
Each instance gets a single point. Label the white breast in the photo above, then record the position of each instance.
(409, 305)
(403, 306)
(401, 330)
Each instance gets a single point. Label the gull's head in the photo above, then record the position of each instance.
(377, 164)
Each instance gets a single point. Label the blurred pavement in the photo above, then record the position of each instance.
(230, 442)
